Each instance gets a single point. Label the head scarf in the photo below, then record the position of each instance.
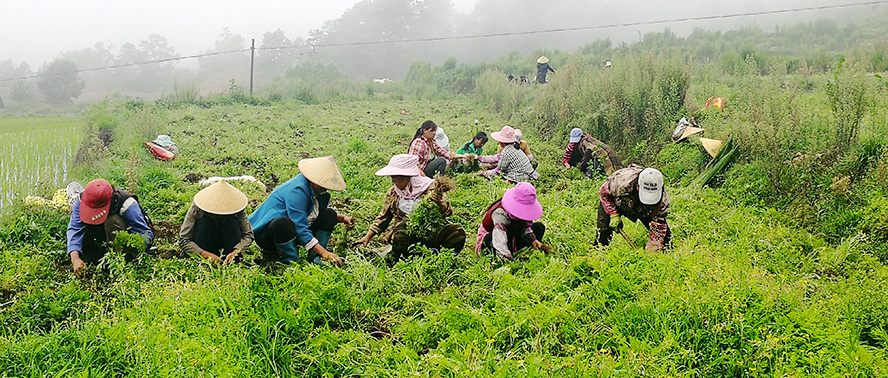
(415, 188)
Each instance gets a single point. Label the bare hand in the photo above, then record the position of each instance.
(566, 165)
(211, 257)
(537, 245)
(332, 258)
(231, 256)
(78, 265)
(348, 221)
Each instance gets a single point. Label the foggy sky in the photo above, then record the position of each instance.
(36, 31)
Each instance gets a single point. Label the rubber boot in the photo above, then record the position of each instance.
(323, 238)
(288, 251)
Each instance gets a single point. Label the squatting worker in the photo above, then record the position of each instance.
(583, 149)
(472, 149)
(636, 193)
(296, 214)
(509, 224)
(512, 164)
(433, 159)
(97, 216)
(407, 191)
(542, 68)
(216, 225)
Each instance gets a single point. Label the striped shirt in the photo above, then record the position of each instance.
(426, 151)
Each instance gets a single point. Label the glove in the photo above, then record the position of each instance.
(616, 222)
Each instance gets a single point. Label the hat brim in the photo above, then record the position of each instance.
(649, 198)
(575, 139)
(688, 131)
(94, 216)
(323, 174)
(394, 171)
(221, 199)
(498, 136)
(526, 212)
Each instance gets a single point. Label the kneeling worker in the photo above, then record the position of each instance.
(216, 224)
(636, 193)
(97, 215)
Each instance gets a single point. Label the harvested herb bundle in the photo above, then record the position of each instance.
(426, 218)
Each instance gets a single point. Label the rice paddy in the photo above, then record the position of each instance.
(36, 155)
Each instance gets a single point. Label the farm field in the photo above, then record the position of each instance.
(745, 291)
(37, 154)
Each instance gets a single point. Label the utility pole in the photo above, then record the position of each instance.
(252, 53)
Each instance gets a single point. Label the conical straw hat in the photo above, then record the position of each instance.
(323, 172)
(543, 59)
(688, 131)
(712, 146)
(221, 199)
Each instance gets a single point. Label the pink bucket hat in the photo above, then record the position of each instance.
(521, 202)
(506, 135)
(401, 165)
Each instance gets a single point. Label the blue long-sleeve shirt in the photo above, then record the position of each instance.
(133, 217)
(294, 200)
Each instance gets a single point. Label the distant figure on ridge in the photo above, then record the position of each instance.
(542, 67)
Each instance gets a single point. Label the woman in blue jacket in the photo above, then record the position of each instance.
(296, 214)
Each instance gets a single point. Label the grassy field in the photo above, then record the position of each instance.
(37, 154)
(742, 293)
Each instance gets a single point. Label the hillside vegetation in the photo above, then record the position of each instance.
(777, 269)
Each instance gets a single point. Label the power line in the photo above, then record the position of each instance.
(580, 28)
(165, 60)
(475, 36)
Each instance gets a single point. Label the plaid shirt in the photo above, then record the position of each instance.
(515, 166)
(426, 151)
(619, 195)
(391, 215)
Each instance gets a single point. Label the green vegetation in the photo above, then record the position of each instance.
(778, 266)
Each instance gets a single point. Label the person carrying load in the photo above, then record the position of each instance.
(583, 149)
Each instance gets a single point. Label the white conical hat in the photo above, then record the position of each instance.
(712, 146)
(323, 172)
(543, 59)
(221, 199)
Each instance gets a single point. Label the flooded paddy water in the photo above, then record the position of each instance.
(36, 155)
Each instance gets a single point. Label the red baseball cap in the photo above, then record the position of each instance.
(95, 201)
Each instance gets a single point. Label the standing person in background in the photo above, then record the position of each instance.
(433, 159)
(97, 216)
(216, 224)
(509, 223)
(542, 68)
(473, 149)
(296, 215)
(636, 193)
(583, 149)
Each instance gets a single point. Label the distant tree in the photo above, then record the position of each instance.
(59, 82)
(277, 53)
(217, 70)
